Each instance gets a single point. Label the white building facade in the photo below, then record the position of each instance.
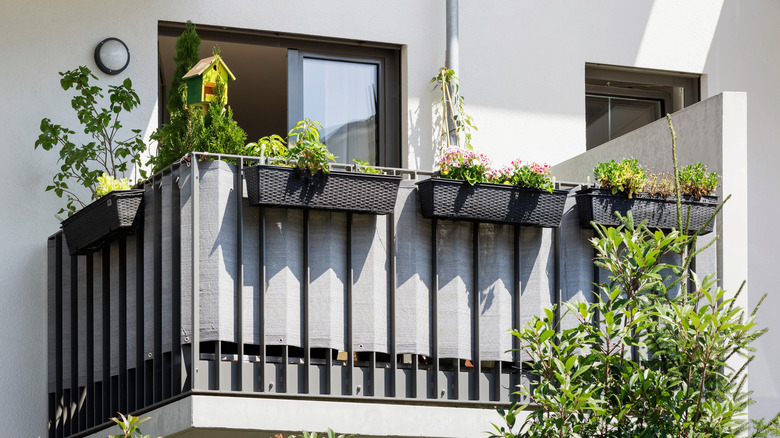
(522, 71)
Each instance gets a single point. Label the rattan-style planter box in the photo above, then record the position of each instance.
(442, 198)
(115, 214)
(600, 205)
(277, 186)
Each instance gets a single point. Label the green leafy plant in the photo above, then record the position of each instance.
(129, 426)
(365, 167)
(307, 150)
(453, 107)
(178, 137)
(221, 134)
(639, 362)
(84, 163)
(696, 181)
(626, 176)
(190, 128)
(531, 175)
(329, 434)
(107, 184)
(762, 428)
(271, 146)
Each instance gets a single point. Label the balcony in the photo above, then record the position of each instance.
(214, 305)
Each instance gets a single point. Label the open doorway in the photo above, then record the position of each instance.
(351, 87)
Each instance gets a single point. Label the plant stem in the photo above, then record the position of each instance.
(676, 172)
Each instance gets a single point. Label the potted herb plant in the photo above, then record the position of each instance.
(625, 186)
(300, 177)
(467, 188)
(97, 165)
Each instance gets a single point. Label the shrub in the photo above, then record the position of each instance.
(307, 150)
(696, 181)
(83, 164)
(625, 176)
(639, 362)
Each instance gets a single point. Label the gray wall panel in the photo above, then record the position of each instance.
(370, 294)
(284, 276)
(496, 300)
(413, 274)
(456, 289)
(327, 293)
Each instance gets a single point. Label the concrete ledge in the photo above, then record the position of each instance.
(204, 415)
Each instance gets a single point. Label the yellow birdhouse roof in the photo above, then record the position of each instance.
(204, 64)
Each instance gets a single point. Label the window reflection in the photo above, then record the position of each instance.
(608, 117)
(342, 96)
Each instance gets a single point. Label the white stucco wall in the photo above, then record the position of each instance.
(522, 73)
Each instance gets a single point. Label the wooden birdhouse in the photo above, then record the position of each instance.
(201, 81)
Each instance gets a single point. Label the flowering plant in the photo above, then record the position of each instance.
(531, 175)
(107, 184)
(465, 164)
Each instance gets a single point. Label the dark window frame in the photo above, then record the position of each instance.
(675, 90)
(388, 55)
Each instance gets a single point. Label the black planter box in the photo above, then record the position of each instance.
(103, 221)
(276, 186)
(600, 205)
(485, 202)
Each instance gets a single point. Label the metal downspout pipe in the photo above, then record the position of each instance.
(452, 57)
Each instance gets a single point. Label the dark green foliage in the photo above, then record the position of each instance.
(189, 129)
(626, 176)
(221, 134)
(365, 167)
(186, 56)
(696, 181)
(85, 163)
(307, 150)
(639, 363)
(178, 137)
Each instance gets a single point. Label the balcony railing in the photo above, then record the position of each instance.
(212, 295)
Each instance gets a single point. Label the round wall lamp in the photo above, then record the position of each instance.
(112, 56)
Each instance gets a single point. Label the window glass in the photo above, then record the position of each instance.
(342, 96)
(608, 117)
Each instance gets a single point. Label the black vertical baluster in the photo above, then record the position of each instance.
(516, 320)
(122, 335)
(260, 310)
(106, 335)
(434, 311)
(391, 286)
(140, 384)
(304, 389)
(74, 345)
(350, 316)
(176, 341)
(238, 368)
(91, 404)
(475, 376)
(157, 359)
(58, 340)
